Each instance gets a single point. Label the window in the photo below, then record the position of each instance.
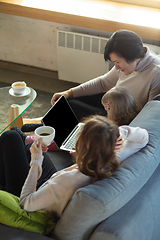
(147, 3)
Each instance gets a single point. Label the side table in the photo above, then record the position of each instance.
(12, 106)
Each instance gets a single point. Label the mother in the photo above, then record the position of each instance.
(136, 69)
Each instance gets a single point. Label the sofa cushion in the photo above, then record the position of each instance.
(94, 203)
(13, 215)
(138, 219)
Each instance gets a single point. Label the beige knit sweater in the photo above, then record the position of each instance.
(143, 83)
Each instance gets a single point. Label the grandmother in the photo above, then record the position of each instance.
(135, 69)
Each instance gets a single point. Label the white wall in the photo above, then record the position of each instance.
(33, 42)
(28, 41)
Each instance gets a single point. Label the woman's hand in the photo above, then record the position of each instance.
(119, 144)
(36, 147)
(67, 94)
(55, 97)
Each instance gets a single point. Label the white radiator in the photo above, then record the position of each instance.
(80, 56)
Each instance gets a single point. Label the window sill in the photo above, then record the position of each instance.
(93, 14)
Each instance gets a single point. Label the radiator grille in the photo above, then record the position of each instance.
(80, 56)
(82, 42)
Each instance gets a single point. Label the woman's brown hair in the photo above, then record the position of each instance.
(95, 147)
(121, 106)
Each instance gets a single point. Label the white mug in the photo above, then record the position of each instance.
(46, 133)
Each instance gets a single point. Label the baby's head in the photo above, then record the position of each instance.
(120, 105)
(95, 147)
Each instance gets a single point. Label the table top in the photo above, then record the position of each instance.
(7, 98)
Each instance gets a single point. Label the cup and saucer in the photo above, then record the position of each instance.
(19, 89)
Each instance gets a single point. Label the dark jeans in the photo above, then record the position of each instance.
(87, 105)
(15, 163)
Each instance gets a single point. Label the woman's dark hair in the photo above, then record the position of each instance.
(95, 147)
(125, 44)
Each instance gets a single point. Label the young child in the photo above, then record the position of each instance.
(120, 105)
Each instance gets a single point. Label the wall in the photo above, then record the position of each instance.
(28, 41)
(33, 42)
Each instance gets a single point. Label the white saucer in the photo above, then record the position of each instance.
(25, 93)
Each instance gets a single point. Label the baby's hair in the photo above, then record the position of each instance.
(121, 105)
(95, 147)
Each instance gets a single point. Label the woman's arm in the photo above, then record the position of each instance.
(92, 87)
(50, 193)
(55, 193)
(29, 194)
(135, 138)
(97, 85)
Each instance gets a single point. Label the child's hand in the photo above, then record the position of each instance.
(36, 147)
(44, 148)
(119, 144)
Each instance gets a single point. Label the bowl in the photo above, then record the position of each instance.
(19, 87)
